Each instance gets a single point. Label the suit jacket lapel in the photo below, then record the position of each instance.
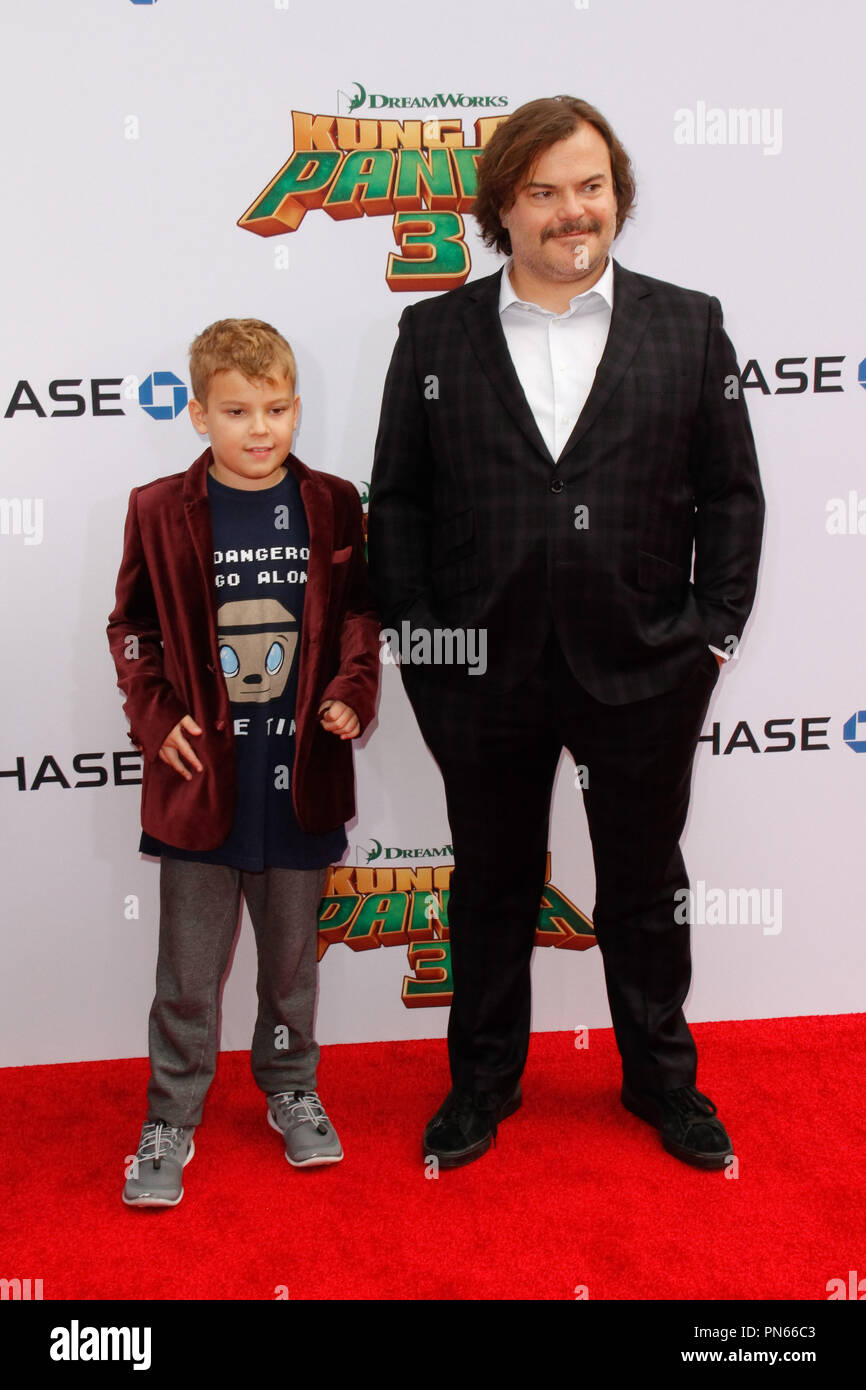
(631, 314)
(484, 327)
(197, 514)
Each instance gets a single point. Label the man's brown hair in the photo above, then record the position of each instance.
(517, 144)
(249, 346)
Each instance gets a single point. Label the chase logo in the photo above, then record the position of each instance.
(179, 393)
(850, 727)
(861, 374)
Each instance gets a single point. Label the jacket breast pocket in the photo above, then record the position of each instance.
(341, 563)
(341, 568)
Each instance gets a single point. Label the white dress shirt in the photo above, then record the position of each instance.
(556, 355)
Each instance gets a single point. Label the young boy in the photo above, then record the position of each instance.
(247, 648)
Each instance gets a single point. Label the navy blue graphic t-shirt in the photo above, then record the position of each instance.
(261, 549)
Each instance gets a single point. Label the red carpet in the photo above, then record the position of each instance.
(577, 1193)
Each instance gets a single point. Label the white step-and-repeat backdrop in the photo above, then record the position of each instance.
(175, 162)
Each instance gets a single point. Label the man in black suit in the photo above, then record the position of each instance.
(564, 469)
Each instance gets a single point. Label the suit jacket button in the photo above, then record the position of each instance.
(557, 485)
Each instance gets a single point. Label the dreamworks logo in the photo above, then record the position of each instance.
(378, 851)
(376, 101)
(351, 101)
(740, 125)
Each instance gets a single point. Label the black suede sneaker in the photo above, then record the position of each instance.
(464, 1127)
(687, 1123)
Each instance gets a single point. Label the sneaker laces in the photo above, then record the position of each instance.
(304, 1107)
(691, 1107)
(157, 1141)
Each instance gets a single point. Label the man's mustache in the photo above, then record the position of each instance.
(587, 224)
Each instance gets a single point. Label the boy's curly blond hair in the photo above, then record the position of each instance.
(249, 346)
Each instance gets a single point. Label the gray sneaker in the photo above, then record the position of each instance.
(310, 1137)
(155, 1173)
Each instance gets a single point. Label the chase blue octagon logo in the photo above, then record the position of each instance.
(850, 729)
(179, 395)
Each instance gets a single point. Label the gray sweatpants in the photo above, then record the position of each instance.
(199, 908)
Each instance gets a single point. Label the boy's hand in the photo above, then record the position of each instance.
(176, 745)
(340, 719)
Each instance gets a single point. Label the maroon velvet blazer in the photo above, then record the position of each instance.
(166, 601)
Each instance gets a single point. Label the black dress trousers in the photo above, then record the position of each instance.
(498, 751)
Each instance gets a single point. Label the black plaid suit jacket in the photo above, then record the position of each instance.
(472, 524)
